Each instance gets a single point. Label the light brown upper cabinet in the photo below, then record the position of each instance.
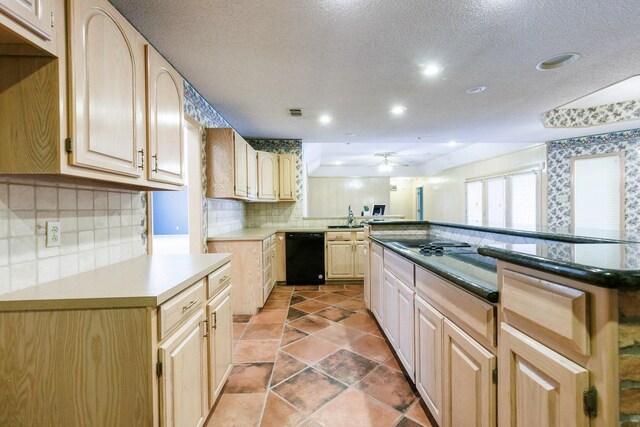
(267, 176)
(83, 114)
(33, 21)
(107, 88)
(226, 164)
(252, 173)
(165, 89)
(287, 173)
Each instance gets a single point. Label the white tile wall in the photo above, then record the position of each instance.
(99, 227)
(224, 216)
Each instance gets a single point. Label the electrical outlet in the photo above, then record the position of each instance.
(54, 233)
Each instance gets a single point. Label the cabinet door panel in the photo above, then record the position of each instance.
(470, 394)
(377, 282)
(183, 385)
(287, 181)
(428, 341)
(367, 274)
(537, 385)
(107, 84)
(340, 260)
(164, 114)
(219, 312)
(390, 308)
(252, 173)
(358, 260)
(34, 15)
(267, 176)
(240, 165)
(405, 343)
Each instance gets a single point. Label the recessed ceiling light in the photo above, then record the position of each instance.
(338, 163)
(452, 143)
(398, 109)
(476, 89)
(558, 61)
(432, 70)
(350, 135)
(325, 119)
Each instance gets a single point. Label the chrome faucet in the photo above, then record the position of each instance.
(350, 217)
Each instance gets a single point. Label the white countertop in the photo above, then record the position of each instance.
(145, 281)
(262, 233)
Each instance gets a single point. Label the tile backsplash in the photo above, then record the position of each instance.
(99, 227)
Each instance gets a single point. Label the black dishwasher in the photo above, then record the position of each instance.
(305, 258)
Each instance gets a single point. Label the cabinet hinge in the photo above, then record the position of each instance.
(68, 147)
(53, 20)
(590, 400)
(494, 375)
(159, 369)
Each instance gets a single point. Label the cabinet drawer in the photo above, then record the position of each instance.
(266, 243)
(266, 276)
(272, 240)
(560, 311)
(338, 235)
(399, 267)
(218, 279)
(359, 235)
(180, 307)
(473, 315)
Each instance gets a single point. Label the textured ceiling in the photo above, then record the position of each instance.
(355, 59)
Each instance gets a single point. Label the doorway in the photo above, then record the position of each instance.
(176, 216)
(420, 203)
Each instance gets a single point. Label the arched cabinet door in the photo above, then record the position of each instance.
(107, 90)
(165, 90)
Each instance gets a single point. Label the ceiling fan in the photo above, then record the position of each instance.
(386, 165)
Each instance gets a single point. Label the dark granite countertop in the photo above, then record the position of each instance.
(615, 266)
(473, 273)
(561, 234)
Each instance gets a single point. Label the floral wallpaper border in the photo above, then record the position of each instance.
(593, 116)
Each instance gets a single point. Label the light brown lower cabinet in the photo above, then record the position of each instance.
(344, 255)
(469, 389)
(220, 322)
(429, 326)
(183, 380)
(252, 271)
(376, 265)
(539, 387)
(130, 366)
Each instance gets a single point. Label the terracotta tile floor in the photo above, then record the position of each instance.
(315, 357)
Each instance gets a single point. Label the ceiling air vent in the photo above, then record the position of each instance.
(295, 112)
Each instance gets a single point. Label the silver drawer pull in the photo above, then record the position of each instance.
(191, 304)
(224, 279)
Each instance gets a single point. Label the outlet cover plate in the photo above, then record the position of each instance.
(54, 233)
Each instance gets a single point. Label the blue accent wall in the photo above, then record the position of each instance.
(170, 212)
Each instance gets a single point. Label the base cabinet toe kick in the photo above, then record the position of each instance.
(161, 365)
(547, 354)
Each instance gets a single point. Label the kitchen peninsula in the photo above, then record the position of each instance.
(538, 325)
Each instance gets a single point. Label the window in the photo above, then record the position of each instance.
(597, 193)
(496, 201)
(524, 199)
(511, 200)
(474, 202)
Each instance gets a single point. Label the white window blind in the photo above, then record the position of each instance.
(597, 192)
(474, 202)
(496, 200)
(524, 200)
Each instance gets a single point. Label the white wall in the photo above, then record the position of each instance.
(332, 196)
(444, 192)
(402, 201)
